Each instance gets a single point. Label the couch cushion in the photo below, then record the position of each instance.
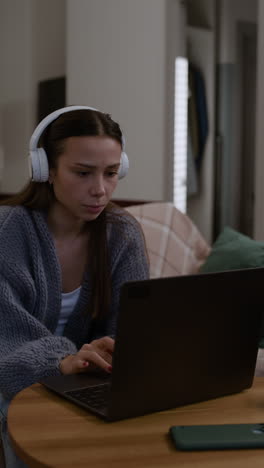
(174, 244)
(233, 250)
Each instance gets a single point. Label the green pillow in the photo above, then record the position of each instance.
(232, 251)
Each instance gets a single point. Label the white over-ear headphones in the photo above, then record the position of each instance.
(38, 161)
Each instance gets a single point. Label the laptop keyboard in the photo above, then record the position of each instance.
(94, 397)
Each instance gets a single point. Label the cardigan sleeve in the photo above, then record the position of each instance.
(129, 262)
(28, 350)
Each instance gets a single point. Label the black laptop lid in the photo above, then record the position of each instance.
(185, 339)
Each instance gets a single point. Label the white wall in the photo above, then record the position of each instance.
(15, 89)
(48, 39)
(32, 48)
(117, 61)
(125, 66)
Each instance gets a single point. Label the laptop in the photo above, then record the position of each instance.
(179, 340)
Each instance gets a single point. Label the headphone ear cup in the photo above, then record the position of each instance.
(39, 165)
(124, 165)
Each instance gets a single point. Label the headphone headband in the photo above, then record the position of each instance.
(39, 166)
(33, 144)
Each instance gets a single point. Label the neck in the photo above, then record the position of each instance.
(62, 225)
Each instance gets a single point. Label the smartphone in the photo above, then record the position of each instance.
(218, 436)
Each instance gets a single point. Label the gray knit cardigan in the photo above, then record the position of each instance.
(30, 295)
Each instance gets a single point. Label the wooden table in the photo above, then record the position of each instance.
(48, 431)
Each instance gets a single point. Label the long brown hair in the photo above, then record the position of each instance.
(40, 196)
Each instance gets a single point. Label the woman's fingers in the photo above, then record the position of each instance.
(105, 344)
(98, 353)
(92, 357)
(91, 354)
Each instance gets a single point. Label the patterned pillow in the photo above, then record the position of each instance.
(174, 244)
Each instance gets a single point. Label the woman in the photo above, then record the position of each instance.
(65, 251)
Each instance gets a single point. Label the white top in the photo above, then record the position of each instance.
(68, 302)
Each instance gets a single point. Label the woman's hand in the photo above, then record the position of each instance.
(98, 353)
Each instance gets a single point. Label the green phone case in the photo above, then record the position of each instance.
(218, 436)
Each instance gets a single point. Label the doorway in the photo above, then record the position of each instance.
(247, 63)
